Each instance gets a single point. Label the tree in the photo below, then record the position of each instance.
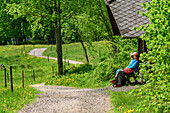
(40, 13)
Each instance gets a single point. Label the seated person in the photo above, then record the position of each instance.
(130, 69)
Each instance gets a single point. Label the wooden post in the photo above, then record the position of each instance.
(5, 77)
(23, 78)
(68, 63)
(33, 75)
(48, 58)
(53, 70)
(11, 78)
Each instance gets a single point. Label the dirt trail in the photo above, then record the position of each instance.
(61, 99)
(38, 52)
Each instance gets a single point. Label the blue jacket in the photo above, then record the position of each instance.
(134, 65)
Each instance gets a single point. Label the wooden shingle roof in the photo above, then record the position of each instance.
(126, 17)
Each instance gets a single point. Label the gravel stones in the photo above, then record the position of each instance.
(60, 99)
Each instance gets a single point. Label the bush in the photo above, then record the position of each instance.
(156, 62)
(117, 57)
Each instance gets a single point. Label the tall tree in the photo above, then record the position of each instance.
(44, 15)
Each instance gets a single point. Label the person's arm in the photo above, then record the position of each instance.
(134, 65)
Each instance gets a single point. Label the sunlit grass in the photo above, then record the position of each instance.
(124, 102)
(11, 102)
(74, 51)
(18, 58)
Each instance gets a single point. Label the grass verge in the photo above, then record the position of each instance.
(11, 102)
(123, 102)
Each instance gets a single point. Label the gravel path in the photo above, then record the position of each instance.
(38, 52)
(61, 99)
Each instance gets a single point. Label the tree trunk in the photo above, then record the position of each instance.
(59, 51)
(59, 43)
(85, 51)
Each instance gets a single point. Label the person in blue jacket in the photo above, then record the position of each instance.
(131, 68)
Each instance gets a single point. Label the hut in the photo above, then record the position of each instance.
(123, 17)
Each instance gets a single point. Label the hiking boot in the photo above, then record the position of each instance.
(118, 86)
(113, 81)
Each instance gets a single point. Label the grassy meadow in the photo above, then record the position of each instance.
(97, 74)
(18, 58)
(74, 51)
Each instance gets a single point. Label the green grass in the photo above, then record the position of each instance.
(74, 51)
(80, 76)
(12, 56)
(15, 56)
(11, 102)
(123, 102)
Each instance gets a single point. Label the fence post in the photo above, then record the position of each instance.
(5, 77)
(67, 55)
(53, 70)
(33, 75)
(68, 63)
(23, 78)
(48, 58)
(11, 78)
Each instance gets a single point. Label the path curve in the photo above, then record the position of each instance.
(61, 99)
(38, 53)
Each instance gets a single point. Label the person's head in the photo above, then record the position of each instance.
(134, 55)
(131, 54)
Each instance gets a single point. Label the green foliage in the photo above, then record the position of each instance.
(82, 68)
(115, 58)
(97, 75)
(155, 67)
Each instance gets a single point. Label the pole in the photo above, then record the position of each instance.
(23, 78)
(53, 70)
(11, 78)
(48, 58)
(33, 75)
(5, 78)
